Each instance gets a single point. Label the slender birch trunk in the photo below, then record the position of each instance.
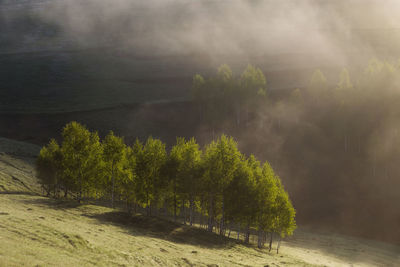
(247, 239)
(113, 185)
(270, 241)
(221, 227)
(260, 239)
(279, 245)
(210, 215)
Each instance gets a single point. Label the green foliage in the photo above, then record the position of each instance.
(223, 95)
(266, 197)
(150, 160)
(184, 165)
(220, 182)
(82, 157)
(344, 80)
(187, 156)
(283, 212)
(114, 156)
(318, 82)
(198, 87)
(48, 165)
(240, 195)
(296, 96)
(220, 161)
(225, 74)
(253, 82)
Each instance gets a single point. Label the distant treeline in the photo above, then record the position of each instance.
(335, 141)
(218, 182)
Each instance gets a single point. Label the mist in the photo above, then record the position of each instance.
(333, 30)
(340, 180)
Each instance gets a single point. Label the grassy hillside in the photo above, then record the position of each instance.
(38, 231)
(17, 174)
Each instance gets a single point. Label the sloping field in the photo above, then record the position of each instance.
(17, 175)
(38, 231)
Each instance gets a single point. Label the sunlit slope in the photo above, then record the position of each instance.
(17, 174)
(35, 230)
(39, 231)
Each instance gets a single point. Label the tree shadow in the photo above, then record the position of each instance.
(53, 203)
(164, 229)
(141, 225)
(28, 193)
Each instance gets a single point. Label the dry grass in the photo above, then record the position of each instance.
(17, 174)
(45, 232)
(38, 231)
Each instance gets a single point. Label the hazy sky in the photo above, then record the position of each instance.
(176, 26)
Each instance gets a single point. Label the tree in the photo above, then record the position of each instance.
(82, 154)
(224, 74)
(240, 197)
(114, 155)
(252, 86)
(199, 94)
(186, 155)
(127, 178)
(220, 161)
(170, 171)
(317, 86)
(266, 197)
(221, 182)
(284, 214)
(344, 80)
(48, 166)
(226, 86)
(150, 159)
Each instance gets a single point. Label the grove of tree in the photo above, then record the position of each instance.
(218, 183)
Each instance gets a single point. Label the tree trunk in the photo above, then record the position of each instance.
(221, 227)
(264, 238)
(270, 241)
(54, 190)
(47, 190)
(113, 185)
(80, 187)
(80, 196)
(174, 200)
(191, 210)
(238, 233)
(127, 206)
(247, 239)
(210, 215)
(184, 212)
(260, 239)
(279, 245)
(147, 204)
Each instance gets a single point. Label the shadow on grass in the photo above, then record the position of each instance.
(18, 193)
(161, 228)
(141, 225)
(342, 247)
(53, 203)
